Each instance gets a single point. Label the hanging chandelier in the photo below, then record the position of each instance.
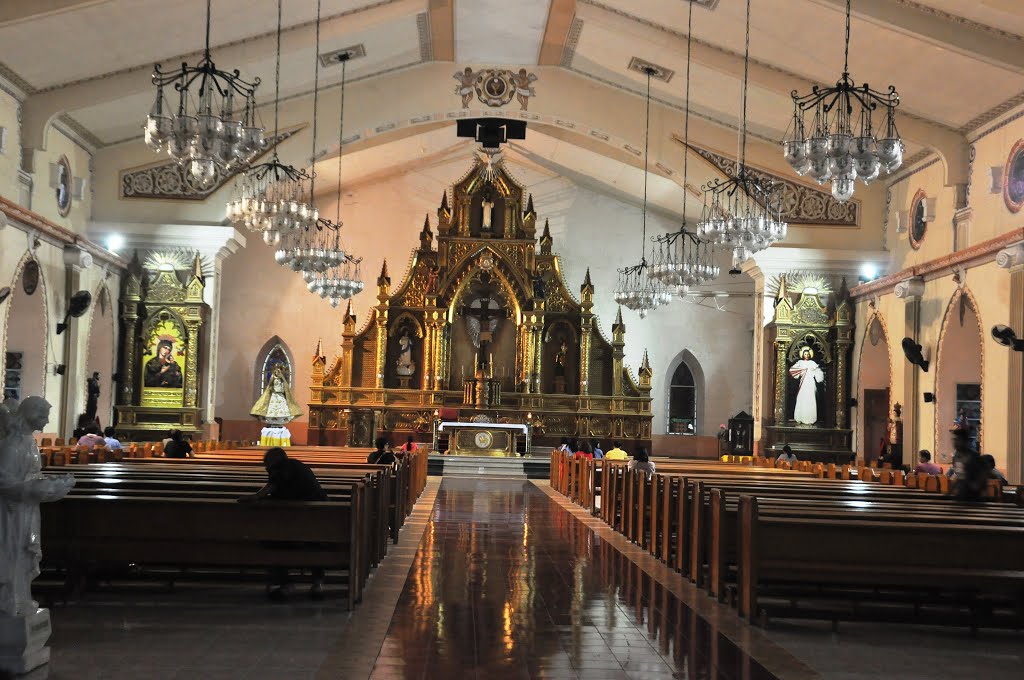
(842, 146)
(743, 212)
(682, 259)
(315, 250)
(635, 289)
(205, 134)
(270, 197)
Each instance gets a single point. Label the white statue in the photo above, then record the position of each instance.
(406, 366)
(22, 489)
(807, 371)
(487, 207)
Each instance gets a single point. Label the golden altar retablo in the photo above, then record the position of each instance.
(487, 299)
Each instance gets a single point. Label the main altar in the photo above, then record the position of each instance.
(482, 330)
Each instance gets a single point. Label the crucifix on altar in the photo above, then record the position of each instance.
(482, 316)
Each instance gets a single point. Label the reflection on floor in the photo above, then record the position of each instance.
(507, 584)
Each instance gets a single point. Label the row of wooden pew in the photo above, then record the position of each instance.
(143, 513)
(793, 543)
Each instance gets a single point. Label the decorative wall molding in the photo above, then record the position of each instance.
(985, 251)
(571, 41)
(800, 204)
(909, 288)
(168, 180)
(1011, 257)
(31, 220)
(423, 29)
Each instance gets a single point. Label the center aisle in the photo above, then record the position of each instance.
(509, 584)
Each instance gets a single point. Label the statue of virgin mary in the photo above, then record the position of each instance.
(276, 408)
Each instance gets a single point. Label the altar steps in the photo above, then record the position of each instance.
(483, 466)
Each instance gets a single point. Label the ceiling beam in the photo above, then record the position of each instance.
(951, 145)
(40, 108)
(18, 11)
(442, 29)
(560, 15)
(957, 34)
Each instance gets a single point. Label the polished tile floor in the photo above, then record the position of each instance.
(507, 584)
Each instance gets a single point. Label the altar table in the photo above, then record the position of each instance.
(483, 439)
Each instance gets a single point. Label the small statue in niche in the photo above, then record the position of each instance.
(405, 365)
(22, 489)
(560, 357)
(539, 287)
(486, 210)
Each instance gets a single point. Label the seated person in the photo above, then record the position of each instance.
(408, 447)
(616, 452)
(288, 480)
(584, 452)
(787, 455)
(91, 438)
(926, 466)
(596, 446)
(970, 474)
(641, 461)
(894, 458)
(110, 439)
(990, 464)
(382, 455)
(178, 446)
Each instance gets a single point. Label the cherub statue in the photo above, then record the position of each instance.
(465, 87)
(22, 489)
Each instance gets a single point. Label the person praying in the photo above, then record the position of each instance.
(288, 480)
(382, 455)
(584, 451)
(926, 466)
(178, 447)
(110, 438)
(616, 452)
(787, 455)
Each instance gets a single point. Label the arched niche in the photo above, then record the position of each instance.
(958, 371)
(684, 395)
(100, 355)
(275, 352)
(874, 388)
(26, 331)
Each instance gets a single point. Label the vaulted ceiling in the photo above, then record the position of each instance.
(957, 65)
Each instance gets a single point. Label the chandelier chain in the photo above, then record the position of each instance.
(746, 77)
(316, 99)
(846, 52)
(647, 143)
(206, 51)
(686, 119)
(341, 134)
(277, 76)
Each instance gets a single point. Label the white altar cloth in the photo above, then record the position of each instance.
(484, 426)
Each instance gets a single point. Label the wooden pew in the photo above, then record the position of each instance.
(843, 552)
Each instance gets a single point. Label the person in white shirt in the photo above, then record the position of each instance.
(787, 455)
(641, 461)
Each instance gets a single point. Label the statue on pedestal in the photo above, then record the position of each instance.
(24, 627)
(276, 408)
(405, 365)
(92, 391)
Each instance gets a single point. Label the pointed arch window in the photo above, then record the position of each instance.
(275, 356)
(682, 402)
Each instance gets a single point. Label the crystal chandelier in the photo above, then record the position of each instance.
(635, 289)
(682, 259)
(204, 133)
(271, 197)
(315, 250)
(743, 212)
(842, 146)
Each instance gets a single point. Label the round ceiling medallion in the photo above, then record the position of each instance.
(1013, 178)
(918, 224)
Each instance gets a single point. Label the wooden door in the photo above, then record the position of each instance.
(876, 422)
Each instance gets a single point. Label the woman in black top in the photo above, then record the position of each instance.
(178, 447)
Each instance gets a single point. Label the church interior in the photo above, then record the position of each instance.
(536, 339)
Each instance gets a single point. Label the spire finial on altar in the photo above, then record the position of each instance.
(319, 348)
(529, 207)
(587, 292)
(384, 278)
(646, 373)
(545, 239)
(426, 235)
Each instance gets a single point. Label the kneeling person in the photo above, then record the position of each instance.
(288, 480)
